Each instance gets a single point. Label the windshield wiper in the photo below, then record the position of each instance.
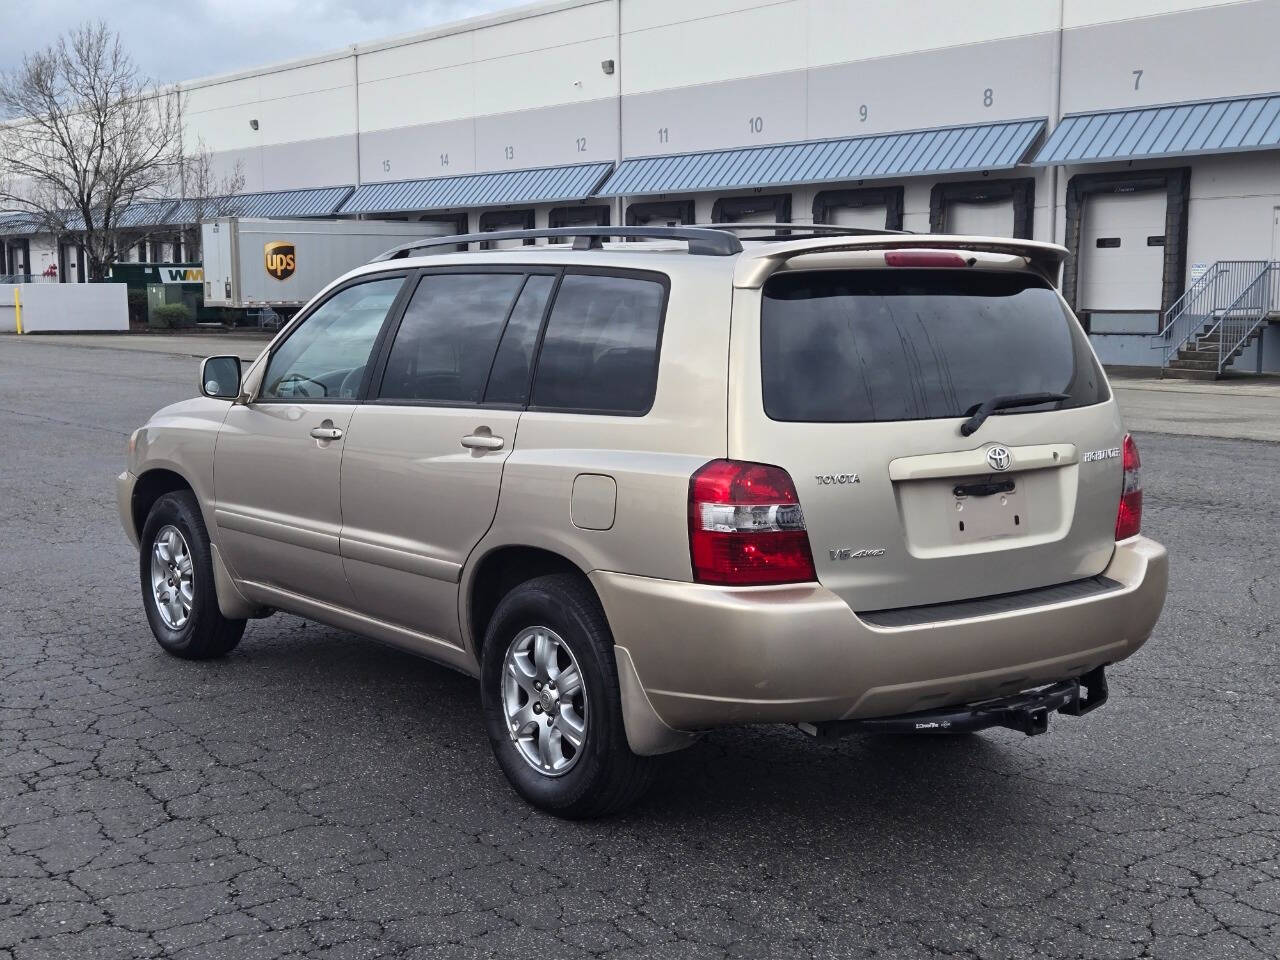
(978, 415)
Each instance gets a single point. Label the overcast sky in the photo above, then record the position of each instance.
(184, 39)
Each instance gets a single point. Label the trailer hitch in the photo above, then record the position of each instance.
(1026, 712)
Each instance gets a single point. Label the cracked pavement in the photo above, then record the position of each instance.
(316, 795)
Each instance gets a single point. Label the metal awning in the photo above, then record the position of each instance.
(534, 185)
(143, 213)
(147, 213)
(1209, 126)
(314, 202)
(17, 224)
(990, 146)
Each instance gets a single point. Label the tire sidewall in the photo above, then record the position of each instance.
(534, 604)
(175, 510)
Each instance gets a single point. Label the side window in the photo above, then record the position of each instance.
(446, 341)
(509, 380)
(325, 358)
(600, 350)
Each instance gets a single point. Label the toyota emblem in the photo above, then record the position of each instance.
(999, 457)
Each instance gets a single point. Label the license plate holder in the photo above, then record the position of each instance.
(991, 517)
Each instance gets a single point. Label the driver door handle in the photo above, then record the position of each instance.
(482, 441)
(326, 433)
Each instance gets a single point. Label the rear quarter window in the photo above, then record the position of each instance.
(881, 345)
(600, 349)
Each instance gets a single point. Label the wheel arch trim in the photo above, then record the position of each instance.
(484, 553)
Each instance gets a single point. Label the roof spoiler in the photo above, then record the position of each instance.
(755, 266)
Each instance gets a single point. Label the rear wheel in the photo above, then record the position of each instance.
(549, 686)
(175, 565)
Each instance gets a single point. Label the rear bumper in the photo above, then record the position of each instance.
(1026, 712)
(711, 656)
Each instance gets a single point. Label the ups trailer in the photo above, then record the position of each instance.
(281, 264)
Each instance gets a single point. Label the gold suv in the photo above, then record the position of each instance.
(846, 480)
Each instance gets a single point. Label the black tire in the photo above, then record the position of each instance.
(206, 632)
(606, 777)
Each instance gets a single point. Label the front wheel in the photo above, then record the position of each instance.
(549, 687)
(175, 564)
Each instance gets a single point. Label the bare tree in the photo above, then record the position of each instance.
(87, 135)
(212, 192)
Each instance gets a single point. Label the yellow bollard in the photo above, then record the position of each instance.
(17, 306)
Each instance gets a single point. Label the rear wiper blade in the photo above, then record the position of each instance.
(979, 414)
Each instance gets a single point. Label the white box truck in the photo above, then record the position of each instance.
(252, 263)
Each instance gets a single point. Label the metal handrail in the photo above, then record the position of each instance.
(1253, 307)
(1192, 291)
(1200, 306)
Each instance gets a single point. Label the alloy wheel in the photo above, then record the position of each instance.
(172, 577)
(544, 701)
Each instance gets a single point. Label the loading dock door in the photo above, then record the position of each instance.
(756, 208)
(655, 220)
(986, 219)
(660, 213)
(761, 216)
(871, 217)
(766, 216)
(1122, 251)
(499, 220)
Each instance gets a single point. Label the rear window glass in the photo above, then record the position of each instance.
(877, 345)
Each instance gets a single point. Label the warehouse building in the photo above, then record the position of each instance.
(1143, 135)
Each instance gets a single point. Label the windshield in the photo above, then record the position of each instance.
(874, 345)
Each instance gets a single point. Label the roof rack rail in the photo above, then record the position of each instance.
(833, 228)
(701, 240)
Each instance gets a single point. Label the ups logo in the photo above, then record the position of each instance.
(281, 259)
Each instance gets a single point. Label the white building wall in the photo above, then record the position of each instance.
(526, 88)
(306, 124)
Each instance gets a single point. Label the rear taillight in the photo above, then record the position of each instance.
(1129, 516)
(746, 527)
(923, 258)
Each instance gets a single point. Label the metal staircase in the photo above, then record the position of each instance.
(1220, 315)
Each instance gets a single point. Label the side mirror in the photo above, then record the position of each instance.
(220, 377)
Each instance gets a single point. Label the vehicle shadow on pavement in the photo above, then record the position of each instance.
(381, 707)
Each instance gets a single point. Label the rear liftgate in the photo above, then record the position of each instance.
(1027, 712)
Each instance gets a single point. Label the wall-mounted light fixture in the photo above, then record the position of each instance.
(253, 124)
(607, 67)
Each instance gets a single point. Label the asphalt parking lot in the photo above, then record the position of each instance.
(317, 795)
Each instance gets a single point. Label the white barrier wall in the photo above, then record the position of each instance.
(8, 319)
(66, 307)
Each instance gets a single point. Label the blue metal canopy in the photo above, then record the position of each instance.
(313, 202)
(989, 146)
(17, 224)
(147, 213)
(142, 213)
(534, 185)
(1211, 126)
